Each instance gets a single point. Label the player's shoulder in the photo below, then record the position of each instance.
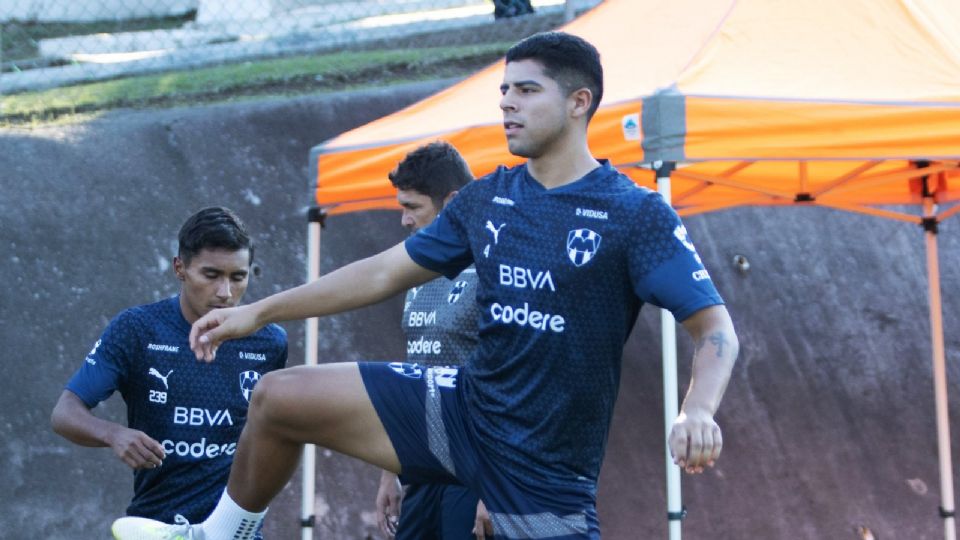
(272, 332)
(626, 189)
(469, 274)
(430, 291)
(495, 180)
(646, 207)
(134, 324)
(502, 172)
(488, 189)
(636, 198)
(143, 314)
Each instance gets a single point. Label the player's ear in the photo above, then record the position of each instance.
(581, 100)
(179, 268)
(449, 197)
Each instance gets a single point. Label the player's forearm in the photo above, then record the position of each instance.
(715, 352)
(713, 360)
(94, 434)
(356, 285)
(78, 425)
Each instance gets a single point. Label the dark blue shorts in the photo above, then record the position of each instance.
(425, 416)
(437, 512)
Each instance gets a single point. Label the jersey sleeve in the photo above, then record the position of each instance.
(102, 371)
(664, 265)
(443, 246)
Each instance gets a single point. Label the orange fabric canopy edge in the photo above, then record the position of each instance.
(832, 102)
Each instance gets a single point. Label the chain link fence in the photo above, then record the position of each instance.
(54, 43)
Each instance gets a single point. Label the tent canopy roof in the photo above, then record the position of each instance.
(760, 100)
(846, 50)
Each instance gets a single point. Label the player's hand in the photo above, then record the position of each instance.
(137, 449)
(389, 496)
(695, 440)
(219, 325)
(482, 527)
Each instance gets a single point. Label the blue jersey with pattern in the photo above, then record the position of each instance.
(562, 275)
(194, 409)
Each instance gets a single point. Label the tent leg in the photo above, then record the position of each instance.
(939, 376)
(309, 468)
(668, 332)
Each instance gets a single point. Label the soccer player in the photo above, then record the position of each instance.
(440, 323)
(566, 251)
(184, 417)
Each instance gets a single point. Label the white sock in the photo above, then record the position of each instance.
(230, 522)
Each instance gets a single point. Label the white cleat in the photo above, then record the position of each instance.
(138, 528)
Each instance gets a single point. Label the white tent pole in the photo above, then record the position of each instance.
(939, 372)
(311, 343)
(668, 333)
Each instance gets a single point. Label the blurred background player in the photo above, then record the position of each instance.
(440, 325)
(184, 416)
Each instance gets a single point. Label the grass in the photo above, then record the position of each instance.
(300, 74)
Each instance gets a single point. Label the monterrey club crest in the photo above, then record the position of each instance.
(248, 379)
(582, 246)
(414, 371)
(456, 291)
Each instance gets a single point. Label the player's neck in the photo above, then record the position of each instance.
(185, 310)
(559, 168)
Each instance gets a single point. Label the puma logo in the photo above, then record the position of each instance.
(494, 230)
(162, 378)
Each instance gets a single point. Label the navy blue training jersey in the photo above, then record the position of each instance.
(563, 273)
(440, 320)
(194, 409)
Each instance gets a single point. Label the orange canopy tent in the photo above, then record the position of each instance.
(850, 104)
(763, 100)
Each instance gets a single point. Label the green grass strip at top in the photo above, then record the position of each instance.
(224, 79)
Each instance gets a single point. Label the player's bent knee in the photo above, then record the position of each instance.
(296, 399)
(269, 396)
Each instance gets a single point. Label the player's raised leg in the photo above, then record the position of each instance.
(326, 405)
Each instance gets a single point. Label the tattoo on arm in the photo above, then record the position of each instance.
(717, 339)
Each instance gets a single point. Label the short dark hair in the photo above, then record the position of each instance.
(434, 170)
(215, 227)
(570, 60)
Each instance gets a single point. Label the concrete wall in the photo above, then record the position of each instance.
(828, 419)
